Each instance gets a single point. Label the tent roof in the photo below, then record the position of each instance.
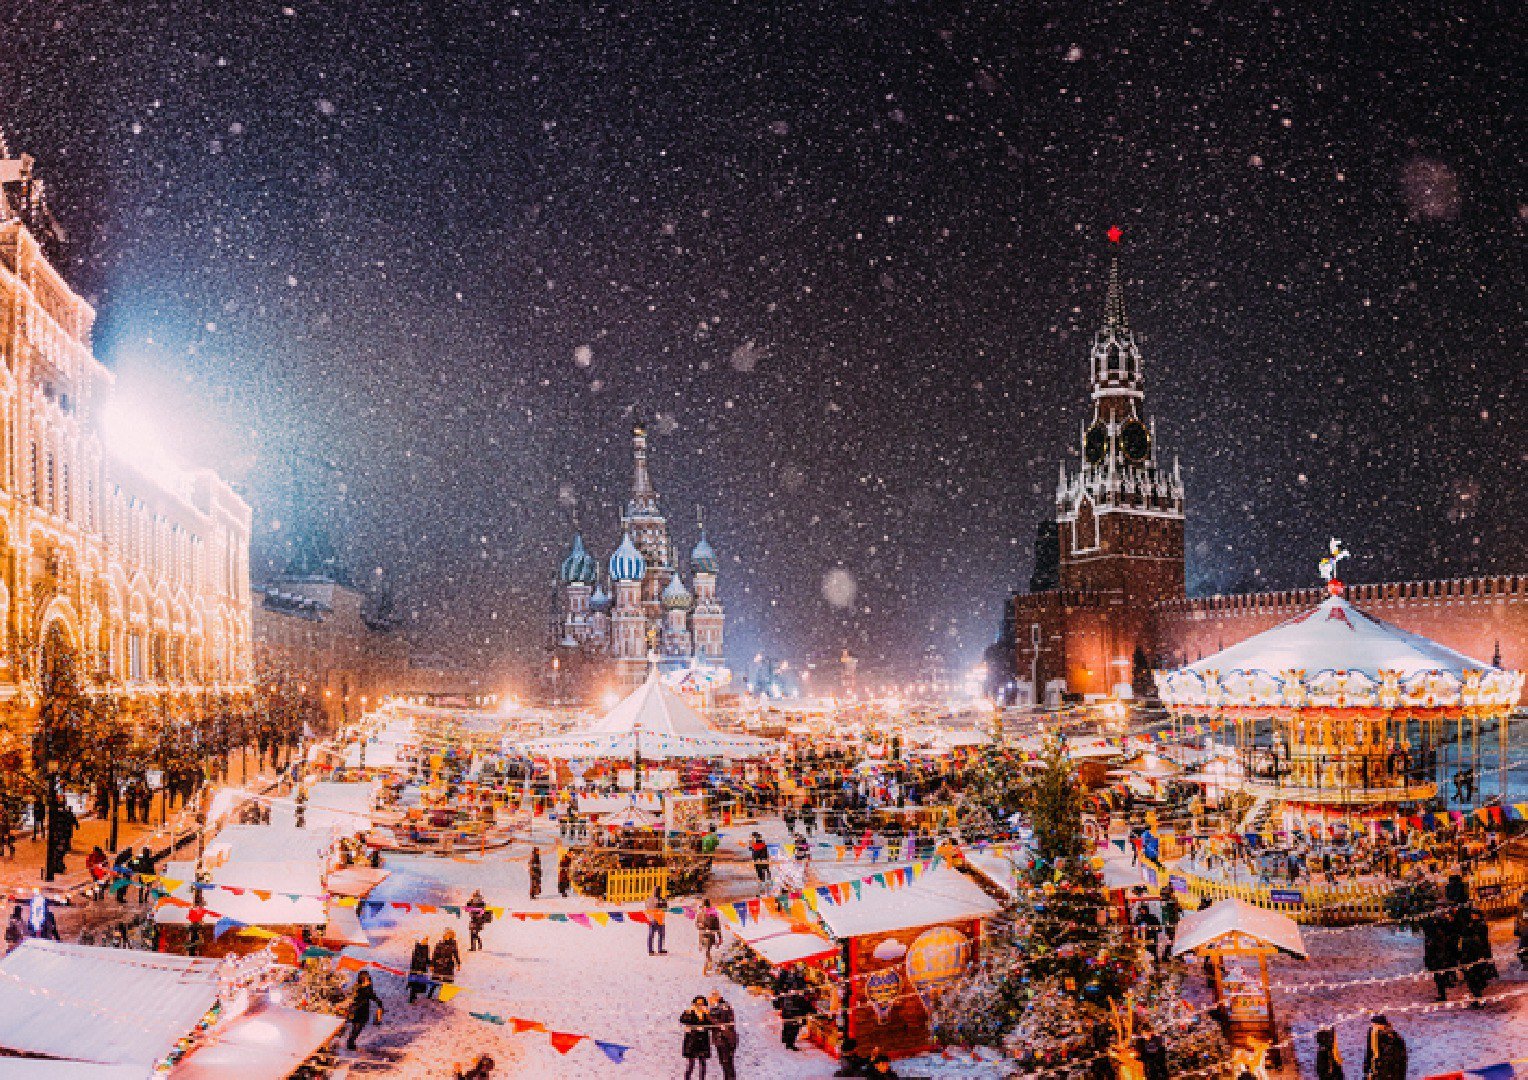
(266, 1044)
(109, 1006)
(655, 720)
(1234, 916)
(652, 708)
(939, 896)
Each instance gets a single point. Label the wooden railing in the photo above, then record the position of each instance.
(1492, 889)
(629, 886)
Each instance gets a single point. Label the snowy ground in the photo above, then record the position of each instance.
(600, 982)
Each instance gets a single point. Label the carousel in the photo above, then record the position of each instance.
(1337, 712)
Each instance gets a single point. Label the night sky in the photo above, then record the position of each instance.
(412, 271)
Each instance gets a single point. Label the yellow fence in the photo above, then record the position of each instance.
(627, 886)
(1493, 889)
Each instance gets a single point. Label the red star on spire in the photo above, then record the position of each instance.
(1114, 234)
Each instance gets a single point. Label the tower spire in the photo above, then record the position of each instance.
(1114, 301)
(641, 482)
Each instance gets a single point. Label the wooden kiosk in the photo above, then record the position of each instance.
(1236, 939)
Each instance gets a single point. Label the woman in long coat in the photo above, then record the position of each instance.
(535, 872)
(697, 1037)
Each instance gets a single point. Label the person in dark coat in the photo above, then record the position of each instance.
(697, 1037)
(565, 874)
(758, 851)
(482, 1069)
(1328, 1057)
(793, 1012)
(419, 970)
(477, 918)
(1456, 891)
(723, 1033)
(1385, 1055)
(145, 867)
(850, 1061)
(445, 959)
(361, 1004)
(535, 870)
(1153, 1054)
(1475, 955)
(1440, 952)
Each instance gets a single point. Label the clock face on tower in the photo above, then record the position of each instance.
(1135, 441)
(1096, 443)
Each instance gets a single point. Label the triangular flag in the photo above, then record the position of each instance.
(617, 916)
(581, 920)
(487, 1017)
(600, 917)
(636, 916)
(452, 909)
(614, 1051)
(498, 912)
(522, 1026)
(449, 991)
(563, 1041)
(348, 901)
(755, 909)
(400, 906)
(428, 909)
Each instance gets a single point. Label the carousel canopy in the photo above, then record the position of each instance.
(1336, 656)
(657, 722)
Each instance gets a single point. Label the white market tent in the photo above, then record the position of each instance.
(654, 721)
(81, 1003)
(942, 895)
(1335, 654)
(1232, 917)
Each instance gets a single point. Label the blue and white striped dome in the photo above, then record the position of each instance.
(627, 564)
(703, 557)
(579, 568)
(676, 597)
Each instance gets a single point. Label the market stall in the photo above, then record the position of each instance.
(1236, 940)
(902, 949)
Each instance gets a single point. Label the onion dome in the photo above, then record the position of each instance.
(627, 564)
(676, 597)
(600, 601)
(579, 568)
(703, 557)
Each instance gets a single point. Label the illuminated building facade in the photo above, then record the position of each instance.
(108, 551)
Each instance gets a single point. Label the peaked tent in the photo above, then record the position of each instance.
(656, 721)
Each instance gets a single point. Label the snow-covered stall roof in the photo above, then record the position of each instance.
(109, 1006)
(286, 876)
(1336, 655)
(939, 896)
(353, 799)
(17, 1068)
(263, 1045)
(1234, 916)
(654, 720)
(776, 941)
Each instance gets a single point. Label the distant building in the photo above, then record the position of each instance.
(315, 627)
(1107, 601)
(607, 621)
(109, 552)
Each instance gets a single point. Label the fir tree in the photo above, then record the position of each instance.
(1055, 807)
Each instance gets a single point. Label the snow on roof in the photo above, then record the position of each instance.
(17, 1068)
(779, 943)
(655, 720)
(342, 798)
(1342, 656)
(1234, 916)
(997, 867)
(266, 1044)
(939, 896)
(91, 1003)
(286, 876)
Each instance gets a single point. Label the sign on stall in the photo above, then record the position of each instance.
(1287, 896)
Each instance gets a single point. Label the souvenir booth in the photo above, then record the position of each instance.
(1236, 940)
(901, 949)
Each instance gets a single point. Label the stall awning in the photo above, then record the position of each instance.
(83, 1003)
(779, 943)
(1226, 918)
(265, 1045)
(344, 927)
(939, 896)
(357, 881)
